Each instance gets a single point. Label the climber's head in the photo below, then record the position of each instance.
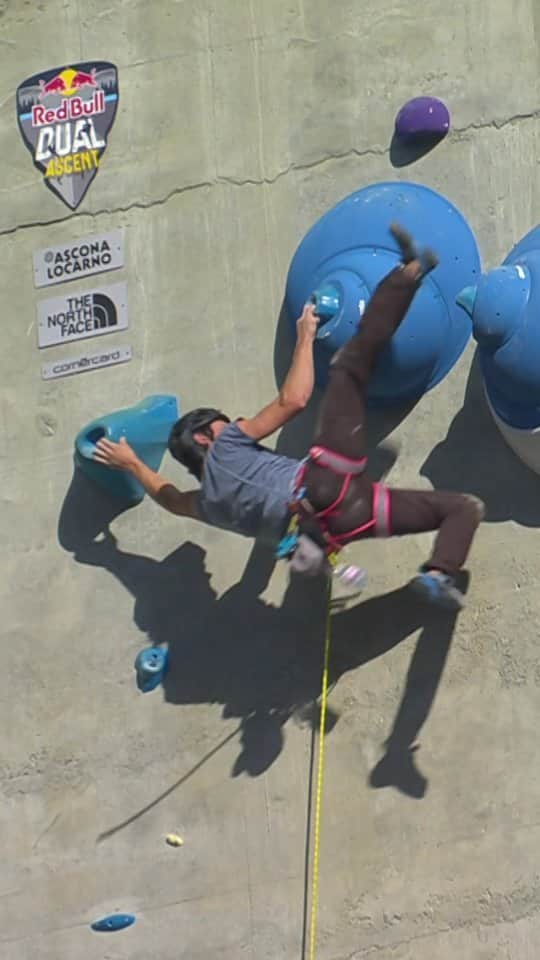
(193, 434)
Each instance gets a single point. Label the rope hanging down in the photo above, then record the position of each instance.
(320, 773)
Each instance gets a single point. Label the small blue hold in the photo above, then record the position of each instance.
(116, 921)
(151, 666)
(326, 301)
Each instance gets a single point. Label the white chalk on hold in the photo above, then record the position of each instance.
(174, 840)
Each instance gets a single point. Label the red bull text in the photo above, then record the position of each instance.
(68, 147)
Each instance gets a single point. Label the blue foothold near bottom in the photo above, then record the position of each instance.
(112, 923)
(151, 666)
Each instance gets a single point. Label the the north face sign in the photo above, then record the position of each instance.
(65, 116)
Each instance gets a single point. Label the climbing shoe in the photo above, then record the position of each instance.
(427, 258)
(438, 588)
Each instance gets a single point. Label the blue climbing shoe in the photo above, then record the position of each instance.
(438, 588)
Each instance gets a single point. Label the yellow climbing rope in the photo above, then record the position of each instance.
(320, 772)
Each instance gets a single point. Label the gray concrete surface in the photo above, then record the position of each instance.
(240, 122)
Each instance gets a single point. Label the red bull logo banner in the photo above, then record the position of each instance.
(65, 116)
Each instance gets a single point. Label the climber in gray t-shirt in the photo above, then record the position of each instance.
(253, 491)
(244, 487)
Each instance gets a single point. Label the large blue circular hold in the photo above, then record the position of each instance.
(349, 251)
(505, 309)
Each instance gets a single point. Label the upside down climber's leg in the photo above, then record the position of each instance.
(342, 418)
(456, 517)
(341, 429)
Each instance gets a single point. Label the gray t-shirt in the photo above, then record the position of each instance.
(245, 487)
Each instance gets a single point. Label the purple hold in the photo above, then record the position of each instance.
(423, 117)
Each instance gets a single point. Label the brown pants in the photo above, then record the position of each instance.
(342, 428)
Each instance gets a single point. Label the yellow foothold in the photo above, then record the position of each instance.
(174, 840)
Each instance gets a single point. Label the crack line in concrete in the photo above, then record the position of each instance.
(455, 136)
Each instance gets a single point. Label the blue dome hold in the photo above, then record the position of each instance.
(505, 311)
(349, 251)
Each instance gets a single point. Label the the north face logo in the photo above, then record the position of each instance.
(65, 116)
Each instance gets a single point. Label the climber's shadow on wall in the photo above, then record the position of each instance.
(475, 458)
(261, 663)
(270, 673)
(84, 531)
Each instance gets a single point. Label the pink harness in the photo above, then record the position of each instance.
(380, 520)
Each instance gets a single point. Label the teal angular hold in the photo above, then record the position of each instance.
(146, 427)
